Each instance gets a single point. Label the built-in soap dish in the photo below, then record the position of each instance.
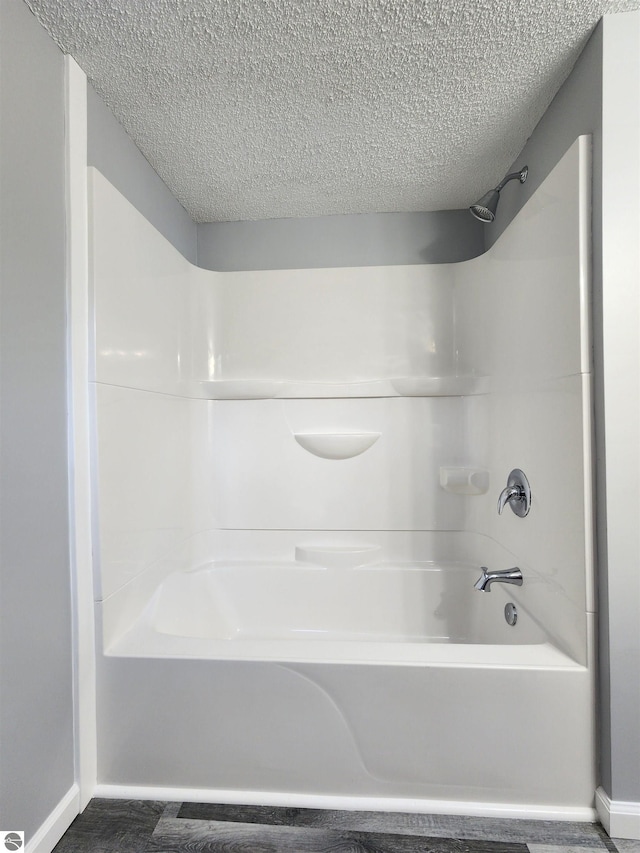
(465, 481)
(338, 557)
(336, 445)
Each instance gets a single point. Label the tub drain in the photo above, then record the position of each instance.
(511, 613)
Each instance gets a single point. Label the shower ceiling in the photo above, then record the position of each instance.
(252, 109)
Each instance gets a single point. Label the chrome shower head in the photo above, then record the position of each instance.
(485, 208)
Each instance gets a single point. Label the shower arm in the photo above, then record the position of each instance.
(521, 176)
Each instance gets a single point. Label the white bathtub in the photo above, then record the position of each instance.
(399, 613)
(396, 681)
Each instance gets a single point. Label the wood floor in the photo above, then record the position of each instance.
(133, 826)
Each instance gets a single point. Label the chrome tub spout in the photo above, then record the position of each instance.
(513, 576)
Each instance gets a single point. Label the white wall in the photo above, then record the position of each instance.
(36, 683)
(169, 335)
(522, 317)
(149, 501)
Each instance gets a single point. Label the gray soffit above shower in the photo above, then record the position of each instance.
(254, 109)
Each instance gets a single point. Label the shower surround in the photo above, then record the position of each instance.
(296, 475)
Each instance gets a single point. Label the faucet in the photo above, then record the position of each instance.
(508, 494)
(517, 494)
(513, 576)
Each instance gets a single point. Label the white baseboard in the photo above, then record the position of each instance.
(55, 826)
(377, 804)
(620, 819)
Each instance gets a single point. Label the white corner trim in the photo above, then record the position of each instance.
(323, 801)
(79, 428)
(621, 819)
(55, 826)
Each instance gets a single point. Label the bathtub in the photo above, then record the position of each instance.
(394, 613)
(388, 686)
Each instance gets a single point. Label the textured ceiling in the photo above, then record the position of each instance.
(252, 109)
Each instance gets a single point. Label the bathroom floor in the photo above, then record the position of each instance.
(134, 826)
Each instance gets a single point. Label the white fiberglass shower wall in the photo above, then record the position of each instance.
(296, 482)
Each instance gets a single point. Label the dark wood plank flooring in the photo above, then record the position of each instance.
(134, 826)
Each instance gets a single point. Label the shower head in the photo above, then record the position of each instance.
(485, 208)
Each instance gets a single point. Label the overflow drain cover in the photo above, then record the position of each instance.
(511, 613)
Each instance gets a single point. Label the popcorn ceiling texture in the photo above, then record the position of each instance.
(253, 109)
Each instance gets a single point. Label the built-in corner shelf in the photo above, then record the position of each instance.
(464, 481)
(336, 445)
(398, 386)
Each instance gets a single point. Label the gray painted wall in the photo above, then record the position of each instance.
(322, 241)
(577, 109)
(619, 429)
(375, 239)
(36, 682)
(115, 154)
(36, 729)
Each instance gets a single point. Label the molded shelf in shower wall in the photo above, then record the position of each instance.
(401, 386)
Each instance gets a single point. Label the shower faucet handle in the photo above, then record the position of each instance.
(517, 494)
(509, 494)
